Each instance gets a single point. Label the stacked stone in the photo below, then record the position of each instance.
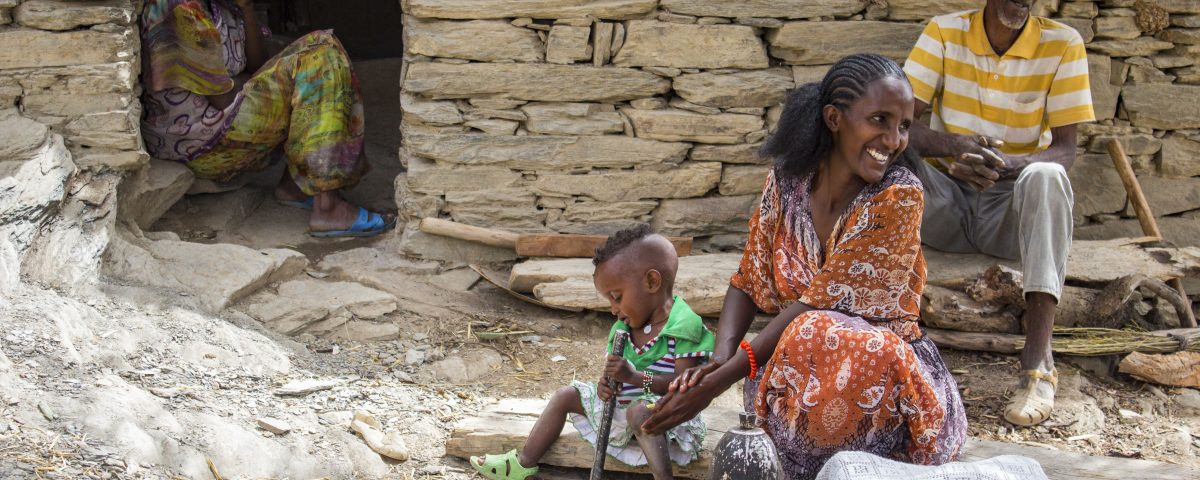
(586, 116)
(73, 65)
(1144, 59)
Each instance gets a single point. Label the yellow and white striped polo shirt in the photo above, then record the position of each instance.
(1041, 81)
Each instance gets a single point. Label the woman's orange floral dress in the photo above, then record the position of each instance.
(855, 373)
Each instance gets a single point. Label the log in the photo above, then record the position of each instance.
(975, 342)
(506, 425)
(1180, 369)
(486, 236)
(994, 303)
(955, 310)
(578, 246)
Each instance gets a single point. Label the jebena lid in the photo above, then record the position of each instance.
(748, 420)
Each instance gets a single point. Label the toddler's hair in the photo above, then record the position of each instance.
(618, 241)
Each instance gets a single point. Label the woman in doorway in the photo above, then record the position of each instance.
(835, 250)
(214, 101)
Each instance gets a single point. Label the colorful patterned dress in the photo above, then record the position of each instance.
(684, 336)
(303, 103)
(856, 373)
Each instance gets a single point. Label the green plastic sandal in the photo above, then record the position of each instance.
(502, 467)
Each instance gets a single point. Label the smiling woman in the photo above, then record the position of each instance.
(834, 251)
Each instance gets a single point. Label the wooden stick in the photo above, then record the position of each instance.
(1133, 189)
(486, 236)
(1145, 217)
(597, 473)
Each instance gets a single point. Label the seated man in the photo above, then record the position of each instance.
(1007, 90)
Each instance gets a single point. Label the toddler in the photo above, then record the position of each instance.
(635, 272)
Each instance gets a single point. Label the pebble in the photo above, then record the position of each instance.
(558, 358)
(305, 387)
(414, 357)
(46, 411)
(274, 425)
(1189, 398)
(1129, 416)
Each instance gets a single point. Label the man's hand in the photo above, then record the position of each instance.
(977, 163)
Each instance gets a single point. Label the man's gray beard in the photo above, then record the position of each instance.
(1013, 23)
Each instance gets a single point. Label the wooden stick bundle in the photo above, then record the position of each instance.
(1087, 342)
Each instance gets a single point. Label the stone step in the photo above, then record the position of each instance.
(216, 274)
(152, 191)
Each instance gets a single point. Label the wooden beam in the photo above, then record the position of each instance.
(486, 236)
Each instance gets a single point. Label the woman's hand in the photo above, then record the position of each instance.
(619, 369)
(675, 408)
(692, 376)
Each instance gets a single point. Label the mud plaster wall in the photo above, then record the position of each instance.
(583, 117)
(73, 65)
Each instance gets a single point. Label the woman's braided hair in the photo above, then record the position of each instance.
(802, 140)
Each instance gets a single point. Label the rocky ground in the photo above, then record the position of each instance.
(131, 382)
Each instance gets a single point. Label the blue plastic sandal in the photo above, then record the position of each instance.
(368, 224)
(305, 204)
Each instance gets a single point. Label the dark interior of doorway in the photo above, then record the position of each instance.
(367, 28)
(371, 32)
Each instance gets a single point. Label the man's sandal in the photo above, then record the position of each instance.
(502, 467)
(1027, 407)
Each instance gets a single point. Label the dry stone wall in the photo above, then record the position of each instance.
(73, 65)
(585, 116)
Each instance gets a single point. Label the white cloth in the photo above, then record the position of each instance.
(864, 466)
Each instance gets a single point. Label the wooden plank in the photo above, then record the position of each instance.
(486, 236)
(578, 246)
(506, 425)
